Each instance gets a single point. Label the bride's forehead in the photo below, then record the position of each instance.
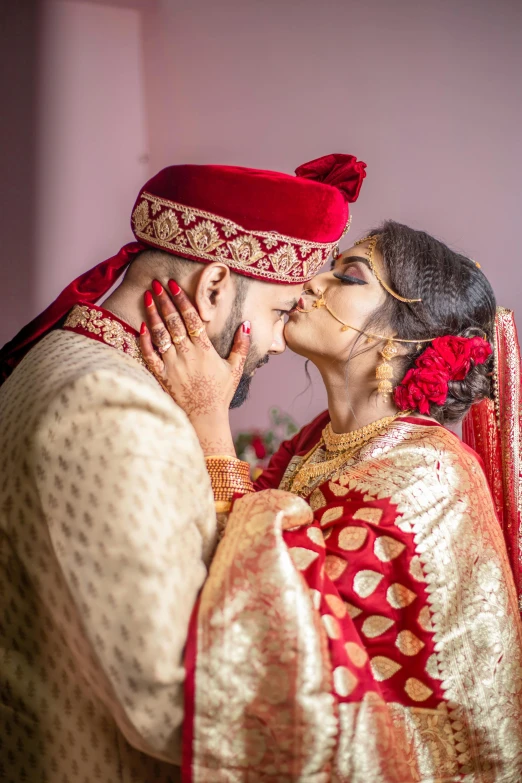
(360, 250)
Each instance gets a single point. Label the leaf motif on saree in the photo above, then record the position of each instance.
(383, 668)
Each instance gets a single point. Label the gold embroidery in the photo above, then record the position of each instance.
(246, 250)
(425, 619)
(302, 557)
(408, 643)
(336, 605)
(334, 566)
(315, 535)
(344, 681)
(367, 751)
(284, 259)
(427, 741)
(387, 548)
(416, 689)
(317, 500)
(351, 538)
(372, 515)
(110, 330)
(416, 569)
(337, 489)
(166, 226)
(383, 668)
(245, 607)
(375, 625)
(180, 229)
(331, 625)
(432, 667)
(366, 582)
(356, 654)
(331, 514)
(399, 596)
(352, 610)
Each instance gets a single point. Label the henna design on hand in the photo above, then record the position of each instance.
(159, 335)
(176, 329)
(199, 396)
(156, 366)
(223, 445)
(175, 325)
(193, 322)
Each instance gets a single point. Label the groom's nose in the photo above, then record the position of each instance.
(279, 342)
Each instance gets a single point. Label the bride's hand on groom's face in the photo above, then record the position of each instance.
(186, 363)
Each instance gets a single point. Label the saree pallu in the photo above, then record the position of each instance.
(367, 632)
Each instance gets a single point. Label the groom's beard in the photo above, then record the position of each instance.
(243, 387)
(223, 345)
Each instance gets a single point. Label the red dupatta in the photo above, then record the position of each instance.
(493, 429)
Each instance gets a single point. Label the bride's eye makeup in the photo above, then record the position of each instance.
(350, 274)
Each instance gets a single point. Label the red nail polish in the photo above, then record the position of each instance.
(157, 287)
(246, 327)
(143, 329)
(148, 299)
(174, 288)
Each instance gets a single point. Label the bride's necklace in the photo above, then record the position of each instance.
(344, 446)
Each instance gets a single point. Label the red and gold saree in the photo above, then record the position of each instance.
(369, 634)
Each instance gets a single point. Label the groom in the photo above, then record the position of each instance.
(106, 512)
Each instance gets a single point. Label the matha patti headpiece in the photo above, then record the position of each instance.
(372, 241)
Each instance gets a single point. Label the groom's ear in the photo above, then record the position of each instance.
(214, 291)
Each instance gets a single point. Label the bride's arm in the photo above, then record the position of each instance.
(202, 383)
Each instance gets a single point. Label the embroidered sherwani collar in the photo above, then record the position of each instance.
(101, 325)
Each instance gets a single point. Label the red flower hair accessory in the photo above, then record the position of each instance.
(448, 359)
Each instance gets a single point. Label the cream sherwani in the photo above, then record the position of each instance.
(107, 527)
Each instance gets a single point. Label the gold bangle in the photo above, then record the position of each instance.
(228, 476)
(225, 457)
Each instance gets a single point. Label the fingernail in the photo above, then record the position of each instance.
(148, 299)
(143, 329)
(157, 287)
(246, 327)
(174, 288)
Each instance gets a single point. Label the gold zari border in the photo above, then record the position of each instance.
(194, 232)
(109, 330)
(263, 677)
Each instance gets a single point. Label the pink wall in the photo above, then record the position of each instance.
(428, 94)
(92, 144)
(19, 67)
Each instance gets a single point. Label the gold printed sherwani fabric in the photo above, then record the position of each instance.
(107, 526)
(405, 568)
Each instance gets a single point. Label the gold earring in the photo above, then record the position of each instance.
(384, 370)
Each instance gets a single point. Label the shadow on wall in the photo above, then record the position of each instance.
(19, 54)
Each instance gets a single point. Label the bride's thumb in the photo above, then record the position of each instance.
(241, 346)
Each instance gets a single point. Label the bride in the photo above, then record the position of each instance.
(360, 620)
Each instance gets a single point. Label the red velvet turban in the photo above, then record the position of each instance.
(262, 224)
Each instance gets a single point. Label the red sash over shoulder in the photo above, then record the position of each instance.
(494, 430)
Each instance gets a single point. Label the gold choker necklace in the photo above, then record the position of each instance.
(356, 438)
(345, 444)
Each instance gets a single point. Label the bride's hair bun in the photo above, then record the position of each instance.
(457, 299)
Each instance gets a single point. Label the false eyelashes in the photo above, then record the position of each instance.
(349, 280)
